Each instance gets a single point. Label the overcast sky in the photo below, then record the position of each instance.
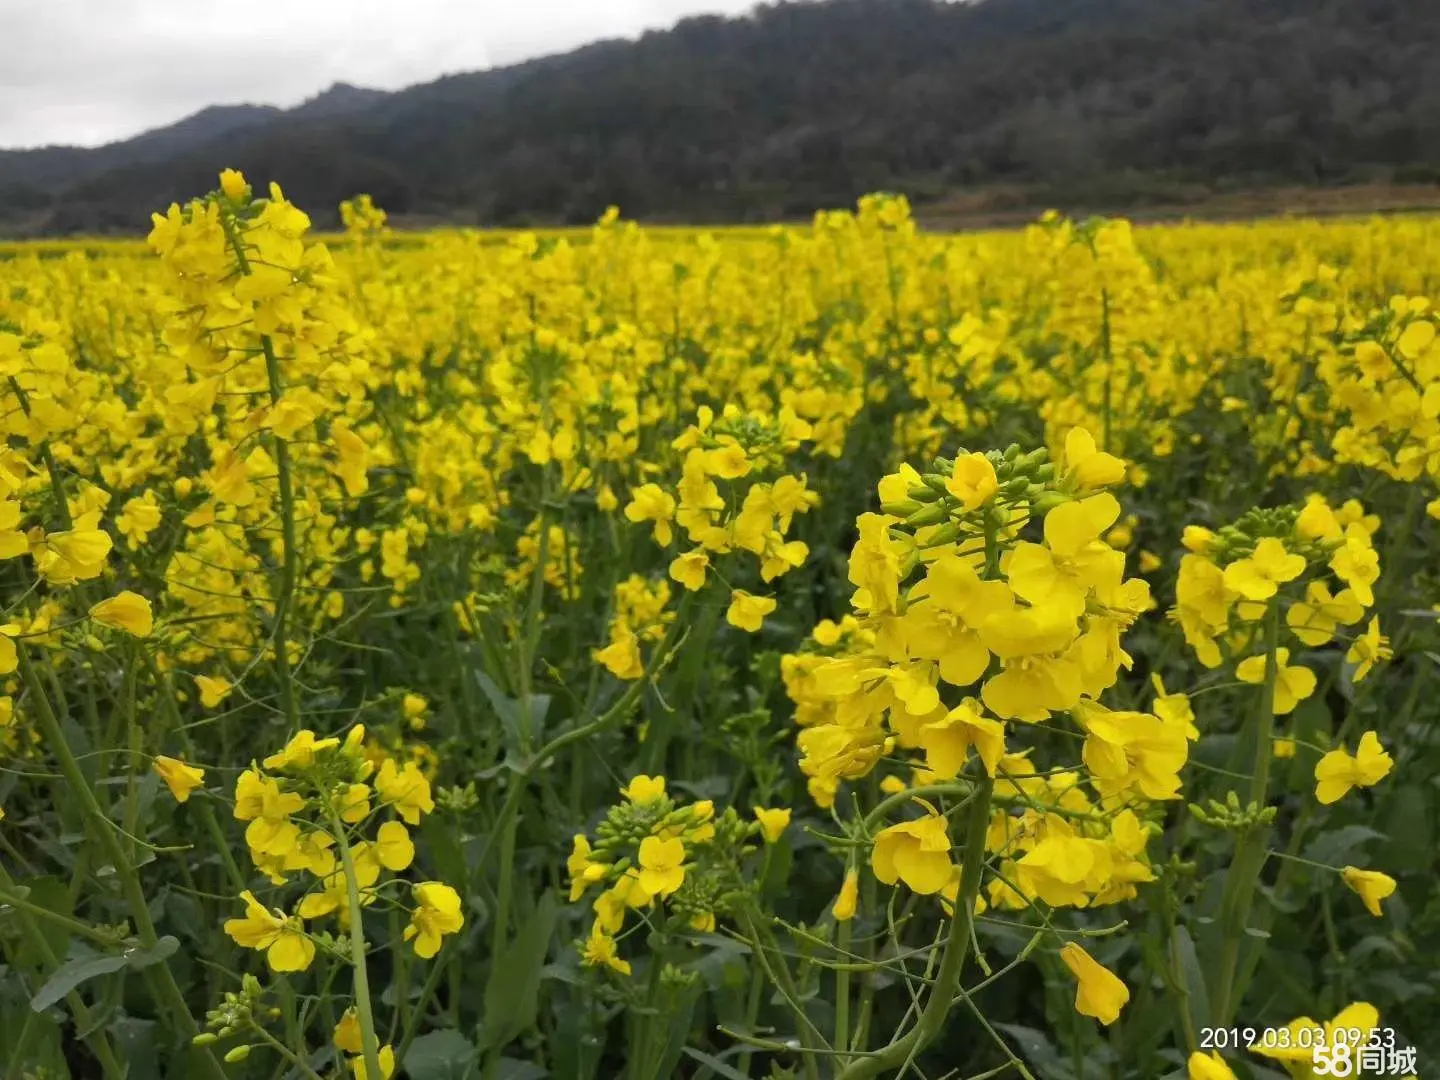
(91, 71)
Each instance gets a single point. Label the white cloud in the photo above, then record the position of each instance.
(91, 71)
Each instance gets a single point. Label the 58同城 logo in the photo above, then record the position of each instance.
(1379, 1056)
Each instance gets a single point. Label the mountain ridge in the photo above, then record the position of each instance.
(800, 105)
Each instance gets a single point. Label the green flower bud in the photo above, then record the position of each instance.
(1048, 501)
(933, 514)
(944, 535)
(902, 509)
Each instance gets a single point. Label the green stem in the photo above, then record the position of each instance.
(285, 1052)
(417, 1015)
(752, 1013)
(842, 995)
(280, 636)
(779, 975)
(957, 946)
(1265, 722)
(1243, 875)
(369, 1043)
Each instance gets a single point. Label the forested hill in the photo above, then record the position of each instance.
(801, 105)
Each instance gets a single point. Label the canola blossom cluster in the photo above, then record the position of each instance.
(946, 610)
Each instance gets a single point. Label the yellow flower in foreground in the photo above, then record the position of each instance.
(393, 846)
(9, 656)
(773, 822)
(404, 789)
(1357, 564)
(729, 462)
(1209, 1066)
(1304, 1035)
(915, 852)
(849, 898)
(387, 1064)
(650, 502)
(689, 569)
(1337, 772)
(300, 751)
(644, 789)
(126, 611)
(212, 691)
(661, 865)
(347, 1035)
(436, 914)
(973, 481)
(622, 656)
(1260, 576)
(232, 183)
(1089, 466)
(1293, 683)
(1370, 885)
(747, 612)
(600, 951)
(1196, 538)
(1368, 649)
(283, 939)
(180, 778)
(76, 554)
(583, 871)
(1098, 992)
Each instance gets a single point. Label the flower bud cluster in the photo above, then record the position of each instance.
(673, 864)
(1280, 559)
(310, 809)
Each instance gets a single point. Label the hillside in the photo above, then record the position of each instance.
(809, 104)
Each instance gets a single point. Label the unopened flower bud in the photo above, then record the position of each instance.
(933, 514)
(901, 509)
(921, 493)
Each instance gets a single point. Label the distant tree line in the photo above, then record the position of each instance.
(801, 105)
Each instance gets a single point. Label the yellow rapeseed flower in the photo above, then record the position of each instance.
(126, 611)
(180, 778)
(1098, 992)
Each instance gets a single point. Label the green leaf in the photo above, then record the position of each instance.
(440, 1055)
(1411, 838)
(511, 712)
(1186, 966)
(137, 1041)
(1036, 1047)
(681, 1013)
(715, 1064)
(515, 1069)
(512, 993)
(71, 974)
(1334, 848)
(137, 959)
